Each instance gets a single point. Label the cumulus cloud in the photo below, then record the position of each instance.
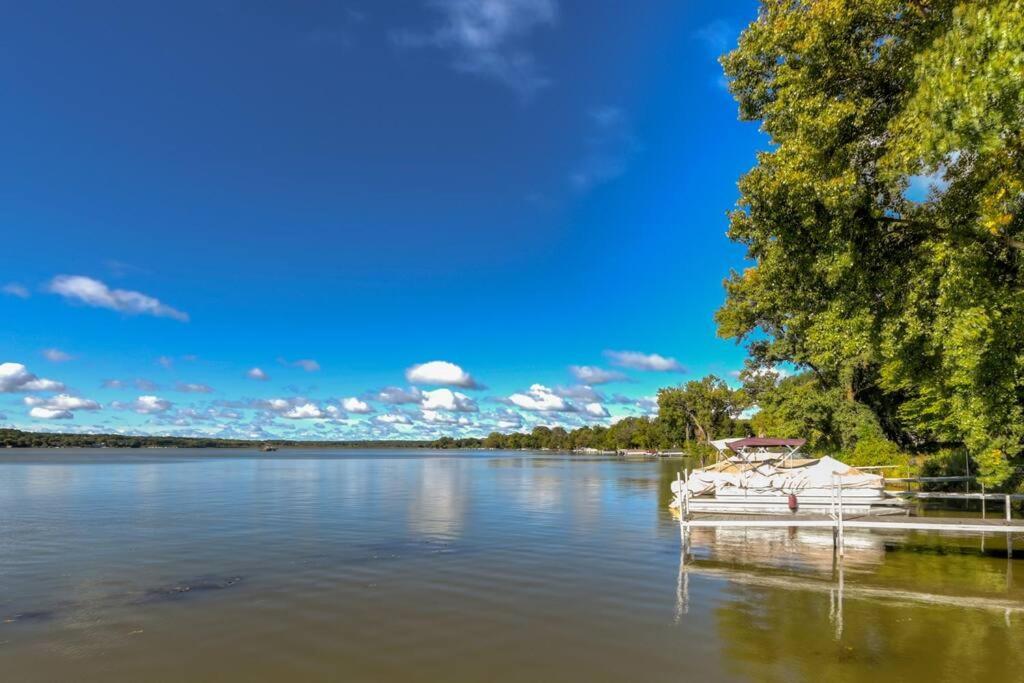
(165, 362)
(541, 399)
(304, 411)
(94, 293)
(485, 38)
(15, 289)
(355, 405)
(15, 377)
(636, 360)
(595, 410)
(145, 405)
(446, 418)
(590, 374)
(393, 419)
(257, 374)
(446, 399)
(193, 388)
(56, 355)
(307, 364)
(60, 407)
(610, 145)
(441, 373)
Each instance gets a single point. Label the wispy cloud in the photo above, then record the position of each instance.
(94, 293)
(650, 362)
(307, 364)
(16, 289)
(610, 145)
(718, 37)
(589, 374)
(193, 388)
(486, 38)
(396, 395)
(257, 374)
(56, 355)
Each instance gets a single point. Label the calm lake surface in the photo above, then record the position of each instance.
(411, 565)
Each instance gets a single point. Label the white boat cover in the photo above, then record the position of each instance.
(771, 477)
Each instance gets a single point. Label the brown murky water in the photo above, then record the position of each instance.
(172, 565)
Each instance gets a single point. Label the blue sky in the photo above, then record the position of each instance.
(338, 193)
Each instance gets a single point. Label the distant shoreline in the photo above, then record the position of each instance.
(16, 438)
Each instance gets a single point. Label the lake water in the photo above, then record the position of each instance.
(175, 565)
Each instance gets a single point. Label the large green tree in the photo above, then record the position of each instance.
(703, 410)
(912, 306)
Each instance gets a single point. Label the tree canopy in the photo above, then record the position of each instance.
(909, 306)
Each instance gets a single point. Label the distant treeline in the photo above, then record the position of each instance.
(15, 438)
(631, 433)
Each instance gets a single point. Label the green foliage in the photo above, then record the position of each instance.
(913, 310)
(703, 409)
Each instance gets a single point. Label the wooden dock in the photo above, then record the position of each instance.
(840, 522)
(966, 525)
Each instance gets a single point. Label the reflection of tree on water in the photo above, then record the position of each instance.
(845, 620)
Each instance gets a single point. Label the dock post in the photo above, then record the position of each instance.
(686, 496)
(839, 506)
(983, 501)
(1009, 536)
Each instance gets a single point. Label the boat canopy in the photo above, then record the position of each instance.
(764, 442)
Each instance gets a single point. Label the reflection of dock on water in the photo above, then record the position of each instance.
(805, 560)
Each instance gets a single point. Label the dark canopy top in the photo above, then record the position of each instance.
(764, 442)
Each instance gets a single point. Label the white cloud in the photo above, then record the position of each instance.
(94, 293)
(446, 399)
(644, 361)
(440, 373)
(257, 374)
(609, 146)
(485, 37)
(541, 398)
(305, 411)
(44, 413)
(193, 388)
(590, 374)
(15, 289)
(145, 405)
(442, 417)
(56, 355)
(355, 405)
(595, 410)
(165, 361)
(15, 377)
(393, 418)
(60, 407)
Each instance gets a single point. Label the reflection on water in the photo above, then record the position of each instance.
(441, 566)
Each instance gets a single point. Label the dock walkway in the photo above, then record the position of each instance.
(696, 520)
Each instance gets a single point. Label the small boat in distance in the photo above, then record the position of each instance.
(267, 448)
(767, 476)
